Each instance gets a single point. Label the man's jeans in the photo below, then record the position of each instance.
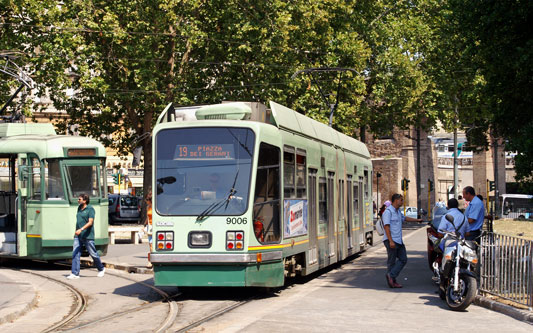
(76, 254)
(397, 258)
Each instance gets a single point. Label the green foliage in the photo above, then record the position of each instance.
(113, 66)
(498, 36)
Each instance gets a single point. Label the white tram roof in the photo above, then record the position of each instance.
(42, 140)
(278, 115)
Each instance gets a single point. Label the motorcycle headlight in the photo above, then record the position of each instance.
(469, 255)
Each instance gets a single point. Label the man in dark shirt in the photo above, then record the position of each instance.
(84, 235)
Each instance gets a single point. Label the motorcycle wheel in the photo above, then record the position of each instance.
(464, 296)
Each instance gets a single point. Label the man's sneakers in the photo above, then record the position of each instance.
(392, 282)
(101, 273)
(73, 277)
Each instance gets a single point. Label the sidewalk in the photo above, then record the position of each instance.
(356, 298)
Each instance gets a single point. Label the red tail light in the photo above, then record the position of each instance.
(234, 240)
(117, 208)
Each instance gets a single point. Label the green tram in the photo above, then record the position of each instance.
(247, 196)
(41, 176)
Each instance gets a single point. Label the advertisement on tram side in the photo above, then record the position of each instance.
(295, 218)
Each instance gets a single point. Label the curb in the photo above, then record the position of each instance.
(17, 314)
(508, 310)
(120, 267)
(10, 317)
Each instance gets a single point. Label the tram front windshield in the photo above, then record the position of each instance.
(203, 171)
(84, 178)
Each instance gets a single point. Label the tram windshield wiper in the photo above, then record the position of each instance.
(216, 205)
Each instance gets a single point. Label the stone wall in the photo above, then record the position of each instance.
(395, 158)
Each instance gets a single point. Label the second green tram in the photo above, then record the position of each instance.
(247, 196)
(41, 176)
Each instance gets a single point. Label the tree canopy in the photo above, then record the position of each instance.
(113, 66)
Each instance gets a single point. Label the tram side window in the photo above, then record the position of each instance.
(103, 179)
(35, 179)
(301, 184)
(266, 218)
(53, 183)
(365, 185)
(294, 177)
(7, 191)
(322, 200)
(6, 182)
(355, 201)
(288, 172)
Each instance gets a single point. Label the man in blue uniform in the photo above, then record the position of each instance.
(392, 238)
(459, 221)
(84, 235)
(475, 213)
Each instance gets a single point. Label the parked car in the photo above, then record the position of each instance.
(410, 212)
(123, 208)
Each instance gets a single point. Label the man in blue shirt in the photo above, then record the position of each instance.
(459, 221)
(392, 239)
(84, 234)
(475, 213)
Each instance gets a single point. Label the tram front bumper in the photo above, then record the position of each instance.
(220, 258)
(224, 270)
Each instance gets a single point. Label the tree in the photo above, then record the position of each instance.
(493, 49)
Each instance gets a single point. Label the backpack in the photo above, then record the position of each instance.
(380, 228)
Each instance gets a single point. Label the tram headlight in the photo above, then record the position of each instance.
(199, 239)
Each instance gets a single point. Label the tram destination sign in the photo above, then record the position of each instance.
(204, 152)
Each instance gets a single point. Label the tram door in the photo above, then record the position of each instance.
(361, 213)
(331, 214)
(8, 205)
(312, 222)
(349, 222)
(341, 239)
(24, 174)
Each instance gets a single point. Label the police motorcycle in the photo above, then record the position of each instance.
(455, 268)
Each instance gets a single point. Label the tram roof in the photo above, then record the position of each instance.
(278, 115)
(42, 140)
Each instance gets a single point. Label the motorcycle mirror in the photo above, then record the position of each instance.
(449, 217)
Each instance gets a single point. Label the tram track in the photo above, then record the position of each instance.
(75, 312)
(165, 297)
(174, 319)
(212, 316)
